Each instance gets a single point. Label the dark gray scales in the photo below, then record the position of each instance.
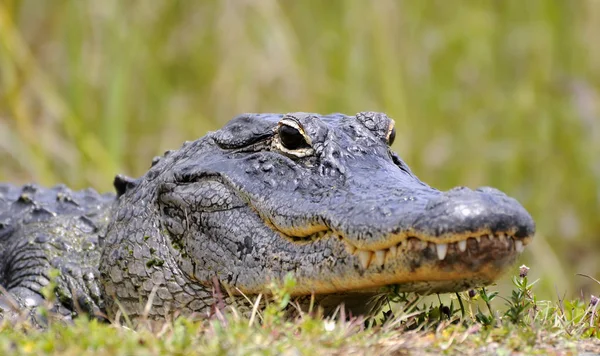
(52, 228)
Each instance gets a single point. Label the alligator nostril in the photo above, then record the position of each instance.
(457, 192)
(457, 189)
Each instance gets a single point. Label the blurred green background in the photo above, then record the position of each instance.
(499, 93)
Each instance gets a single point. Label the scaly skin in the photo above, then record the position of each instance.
(44, 229)
(322, 198)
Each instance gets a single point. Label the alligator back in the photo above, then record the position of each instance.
(51, 228)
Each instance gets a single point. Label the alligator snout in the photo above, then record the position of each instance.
(462, 211)
(432, 216)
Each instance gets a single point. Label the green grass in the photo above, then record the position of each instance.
(499, 93)
(466, 324)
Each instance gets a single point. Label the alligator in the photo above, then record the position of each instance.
(322, 198)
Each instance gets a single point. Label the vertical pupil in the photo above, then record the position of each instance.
(291, 138)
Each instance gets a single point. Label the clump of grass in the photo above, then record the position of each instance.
(471, 326)
(521, 299)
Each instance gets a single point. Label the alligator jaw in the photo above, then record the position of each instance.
(415, 264)
(502, 243)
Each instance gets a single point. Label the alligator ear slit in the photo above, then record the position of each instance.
(123, 183)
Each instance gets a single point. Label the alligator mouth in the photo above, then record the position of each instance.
(500, 243)
(412, 263)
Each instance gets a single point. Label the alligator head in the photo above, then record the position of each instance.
(322, 198)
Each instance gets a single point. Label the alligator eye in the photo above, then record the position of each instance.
(291, 138)
(392, 136)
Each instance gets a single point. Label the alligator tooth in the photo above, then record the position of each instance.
(462, 245)
(393, 251)
(365, 258)
(501, 236)
(478, 238)
(380, 257)
(519, 246)
(442, 249)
